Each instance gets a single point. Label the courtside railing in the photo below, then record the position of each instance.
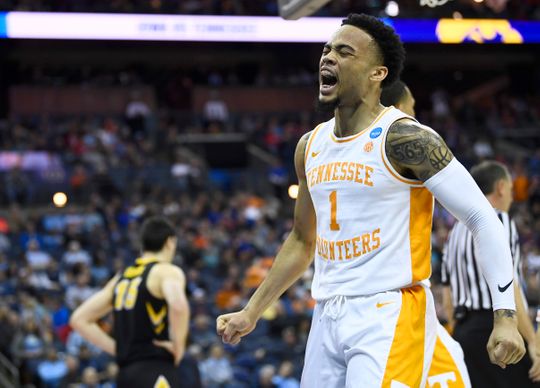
(9, 374)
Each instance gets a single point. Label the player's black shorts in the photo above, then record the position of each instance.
(148, 374)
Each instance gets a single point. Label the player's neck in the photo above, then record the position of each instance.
(353, 119)
(158, 256)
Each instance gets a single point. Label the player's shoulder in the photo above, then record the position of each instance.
(416, 151)
(407, 126)
(167, 270)
(111, 284)
(306, 137)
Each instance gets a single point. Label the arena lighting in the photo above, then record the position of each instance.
(197, 28)
(392, 8)
(60, 199)
(293, 191)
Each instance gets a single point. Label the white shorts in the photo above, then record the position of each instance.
(382, 340)
(448, 369)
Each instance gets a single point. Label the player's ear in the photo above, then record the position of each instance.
(171, 241)
(378, 74)
(499, 186)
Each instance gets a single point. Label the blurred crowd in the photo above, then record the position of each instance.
(119, 170)
(526, 9)
(49, 264)
(177, 80)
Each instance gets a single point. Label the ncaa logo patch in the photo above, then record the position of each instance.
(375, 132)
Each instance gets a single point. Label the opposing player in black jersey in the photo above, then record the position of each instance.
(151, 313)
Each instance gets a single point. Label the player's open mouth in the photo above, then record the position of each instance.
(328, 81)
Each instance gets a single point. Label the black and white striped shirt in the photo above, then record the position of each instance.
(460, 267)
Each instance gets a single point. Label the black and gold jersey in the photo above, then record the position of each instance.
(139, 317)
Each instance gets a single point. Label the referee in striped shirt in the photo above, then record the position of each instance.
(468, 300)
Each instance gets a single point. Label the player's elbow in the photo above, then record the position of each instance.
(303, 237)
(76, 321)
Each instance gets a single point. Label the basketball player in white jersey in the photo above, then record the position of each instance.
(448, 369)
(363, 214)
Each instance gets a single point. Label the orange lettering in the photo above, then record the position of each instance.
(340, 244)
(328, 173)
(365, 243)
(331, 246)
(357, 179)
(319, 174)
(376, 239)
(325, 248)
(310, 178)
(355, 242)
(344, 170)
(347, 252)
(350, 172)
(336, 170)
(367, 182)
(319, 246)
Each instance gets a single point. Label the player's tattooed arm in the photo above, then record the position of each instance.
(416, 152)
(503, 313)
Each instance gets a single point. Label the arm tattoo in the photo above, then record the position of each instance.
(416, 152)
(504, 313)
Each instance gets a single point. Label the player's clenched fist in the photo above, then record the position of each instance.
(505, 345)
(232, 327)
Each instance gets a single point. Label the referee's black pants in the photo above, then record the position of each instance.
(472, 332)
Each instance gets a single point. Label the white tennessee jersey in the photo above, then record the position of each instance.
(373, 225)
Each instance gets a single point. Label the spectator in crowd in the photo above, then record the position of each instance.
(228, 296)
(90, 378)
(521, 182)
(203, 332)
(27, 349)
(52, 370)
(285, 378)
(109, 375)
(35, 257)
(76, 255)
(216, 371)
(137, 114)
(17, 186)
(78, 182)
(266, 376)
(80, 291)
(215, 110)
(290, 348)
(8, 327)
(100, 270)
(37, 279)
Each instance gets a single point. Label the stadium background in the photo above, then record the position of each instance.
(204, 133)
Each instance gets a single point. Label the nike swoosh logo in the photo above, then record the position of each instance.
(503, 289)
(314, 154)
(379, 305)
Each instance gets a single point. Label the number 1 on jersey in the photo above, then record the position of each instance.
(333, 210)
